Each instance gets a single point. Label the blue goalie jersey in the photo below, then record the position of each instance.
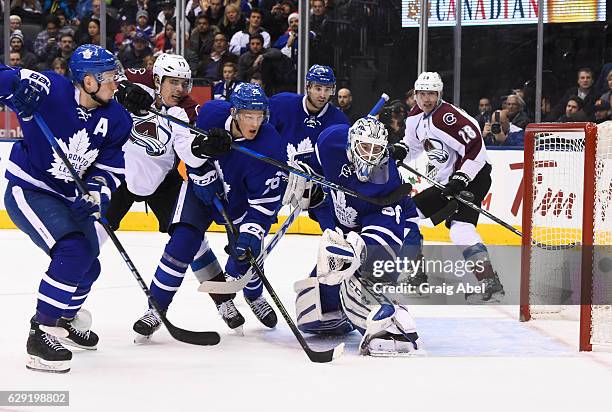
(377, 225)
(252, 186)
(91, 139)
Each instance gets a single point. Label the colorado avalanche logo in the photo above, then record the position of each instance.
(449, 119)
(150, 135)
(435, 150)
(312, 122)
(346, 170)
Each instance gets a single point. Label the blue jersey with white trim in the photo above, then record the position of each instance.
(91, 139)
(377, 225)
(252, 186)
(298, 128)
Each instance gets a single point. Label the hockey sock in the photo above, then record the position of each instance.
(482, 263)
(70, 258)
(82, 290)
(179, 252)
(205, 265)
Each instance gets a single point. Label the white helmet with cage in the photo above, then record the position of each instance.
(367, 146)
(173, 65)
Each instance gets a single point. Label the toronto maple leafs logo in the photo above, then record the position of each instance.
(312, 122)
(87, 53)
(345, 214)
(303, 147)
(78, 153)
(82, 114)
(435, 150)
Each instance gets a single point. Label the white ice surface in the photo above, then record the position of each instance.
(480, 358)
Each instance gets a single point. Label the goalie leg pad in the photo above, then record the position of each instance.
(309, 310)
(391, 331)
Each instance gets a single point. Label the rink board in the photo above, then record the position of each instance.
(504, 200)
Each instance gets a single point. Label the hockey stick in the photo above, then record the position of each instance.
(210, 286)
(187, 336)
(486, 213)
(314, 356)
(392, 198)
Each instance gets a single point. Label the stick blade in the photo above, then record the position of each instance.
(326, 356)
(206, 338)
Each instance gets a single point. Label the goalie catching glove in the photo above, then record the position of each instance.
(339, 258)
(301, 191)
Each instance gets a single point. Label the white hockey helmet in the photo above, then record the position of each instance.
(366, 146)
(429, 81)
(173, 65)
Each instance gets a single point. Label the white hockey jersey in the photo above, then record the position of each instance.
(450, 138)
(152, 149)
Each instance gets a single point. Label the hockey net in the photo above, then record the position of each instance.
(566, 263)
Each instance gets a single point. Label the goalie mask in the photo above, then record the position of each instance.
(367, 148)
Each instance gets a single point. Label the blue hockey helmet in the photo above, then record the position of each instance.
(91, 59)
(249, 96)
(321, 74)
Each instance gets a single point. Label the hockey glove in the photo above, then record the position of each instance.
(339, 257)
(456, 183)
(207, 184)
(398, 151)
(303, 192)
(29, 91)
(250, 238)
(218, 142)
(133, 97)
(95, 203)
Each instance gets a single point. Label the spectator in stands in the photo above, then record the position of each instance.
(223, 89)
(60, 66)
(189, 55)
(409, 100)
(500, 132)
(93, 33)
(545, 107)
(606, 96)
(241, 40)
(278, 23)
(15, 22)
(288, 42)
(112, 25)
(202, 37)
(574, 111)
(602, 84)
(15, 59)
(149, 61)
(67, 47)
(167, 15)
(233, 21)
(142, 24)
(28, 59)
(345, 103)
(212, 9)
(321, 50)
(256, 79)
(485, 109)
(46, 41)
(515, 107)
(133, 55)
(163, 40)
(211, 65)
(29, 7)
(125, 36)
(602, 111)
(258, 60)
(51, 6)
(583, 90)
(83, 8)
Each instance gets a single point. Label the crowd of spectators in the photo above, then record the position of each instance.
(258, 36)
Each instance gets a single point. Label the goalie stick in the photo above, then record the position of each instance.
(486, 213)
(390, 199)
(210, 286)
(183, 335)
(314, 356)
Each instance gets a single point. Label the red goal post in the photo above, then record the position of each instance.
(567, 188)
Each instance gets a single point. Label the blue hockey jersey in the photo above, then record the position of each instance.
(377, 225)
(298, 128)
(252, 186)
(91, 139)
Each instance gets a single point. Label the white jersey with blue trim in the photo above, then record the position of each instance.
(91, 139)
(299, 129)
(377, 225)
(252, 186)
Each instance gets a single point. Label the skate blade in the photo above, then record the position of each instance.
(239, 330)
(477, 299)
(392, 354)
(37, 364)
(68, 342)
(142, 339)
